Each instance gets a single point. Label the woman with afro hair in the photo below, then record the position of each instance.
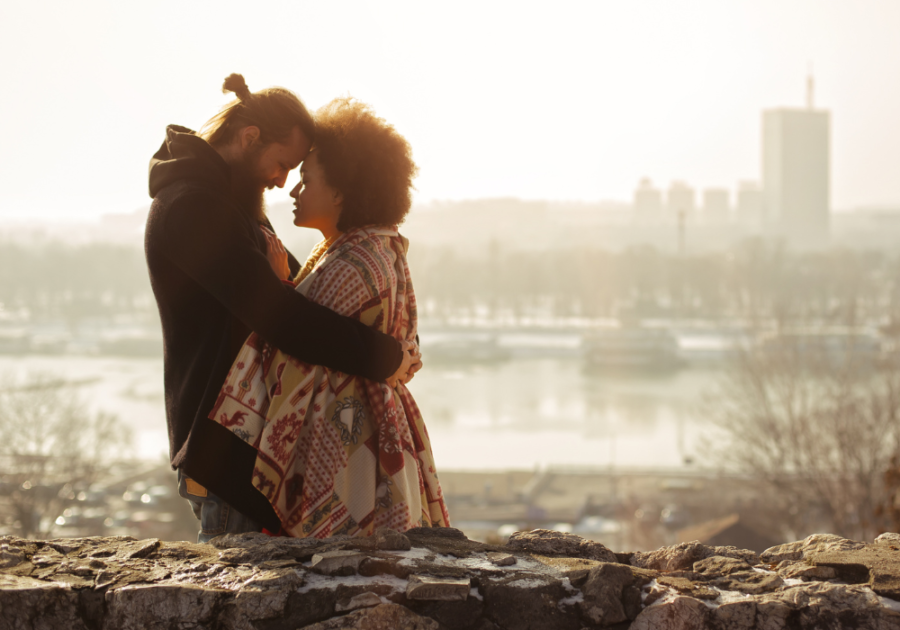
(340, 454)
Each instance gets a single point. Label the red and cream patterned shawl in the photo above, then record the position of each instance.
(339, 454)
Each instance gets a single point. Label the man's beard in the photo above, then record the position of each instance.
(248, 187)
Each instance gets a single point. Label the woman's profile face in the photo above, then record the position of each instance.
(316, 204)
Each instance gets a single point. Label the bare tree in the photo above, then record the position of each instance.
(817, 429)
(49, 445)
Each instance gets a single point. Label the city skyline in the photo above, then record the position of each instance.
(576, 103)
(790, 199)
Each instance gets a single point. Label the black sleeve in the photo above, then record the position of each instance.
(293, 264)
(214, 246)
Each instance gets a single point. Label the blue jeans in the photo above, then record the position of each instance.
(216, 517)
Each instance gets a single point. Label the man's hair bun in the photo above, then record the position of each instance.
(275, 111)
(235, 83)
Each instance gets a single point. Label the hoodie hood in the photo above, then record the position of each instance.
(184, 155)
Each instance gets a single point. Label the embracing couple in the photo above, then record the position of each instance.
(285, 382)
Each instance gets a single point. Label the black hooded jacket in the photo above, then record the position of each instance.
(213, 285)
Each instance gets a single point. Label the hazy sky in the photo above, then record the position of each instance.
(557, 100)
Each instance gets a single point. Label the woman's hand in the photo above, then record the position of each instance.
(277, 255)
(412, 363)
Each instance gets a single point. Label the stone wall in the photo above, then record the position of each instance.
(431, 579)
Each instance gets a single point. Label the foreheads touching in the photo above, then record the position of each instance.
(272, 126)
(273, 161)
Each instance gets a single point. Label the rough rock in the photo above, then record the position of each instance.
(740, 615)
(265, 595)
(255, 548)
(817, 543)
(249, 540)
(574, 568)
(29, 603)
(445, 540)
(603, 591)
(529, 602)
(750, 557)
(390, 540)
(681, 613)
(890, 538)
(138, 607)
(720, 565)
(444, 582)
(825, 605)
(501, 559)
(337, 562)
(11, 557)
(380, 565)
(382, 617)
(683, 556)
(877, 565)
(549, 542)
(443, 589)
(687, 587)
(801, 571)
(458, 615)
(363, 600)
(773, 614)
(750, 582)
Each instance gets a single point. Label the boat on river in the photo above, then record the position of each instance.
(635, 348)
(466, 348)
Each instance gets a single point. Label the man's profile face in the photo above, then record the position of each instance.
(277, 159)
(262, 167)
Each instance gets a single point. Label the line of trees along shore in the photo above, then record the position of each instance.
(755, 281)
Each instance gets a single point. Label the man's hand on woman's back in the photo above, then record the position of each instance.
(412, 363)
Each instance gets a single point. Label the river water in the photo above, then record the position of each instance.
(514, 414)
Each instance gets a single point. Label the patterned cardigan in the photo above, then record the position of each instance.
(339, 454)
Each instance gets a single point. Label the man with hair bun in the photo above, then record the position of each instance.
(208, 246)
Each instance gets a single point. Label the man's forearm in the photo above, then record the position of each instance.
(315, 334)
